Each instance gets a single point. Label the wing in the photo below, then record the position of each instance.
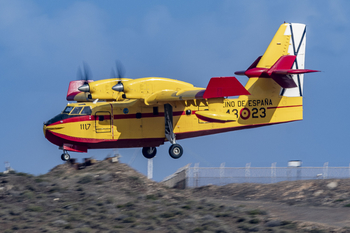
(218, 87)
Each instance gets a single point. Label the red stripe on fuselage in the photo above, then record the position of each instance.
(291, 106)
(116, 117)
(91, 143)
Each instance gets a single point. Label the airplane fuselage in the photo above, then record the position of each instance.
(131, 123)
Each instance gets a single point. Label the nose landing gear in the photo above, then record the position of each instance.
(65, 156)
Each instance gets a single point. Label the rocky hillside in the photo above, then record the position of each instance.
(112, 197)
(328, 192)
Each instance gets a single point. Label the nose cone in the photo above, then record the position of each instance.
(84, 88)
(118, 87)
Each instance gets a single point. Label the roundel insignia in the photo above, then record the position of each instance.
(245, 113)
(125, 111)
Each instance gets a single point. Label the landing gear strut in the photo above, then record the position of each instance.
(149, 152)
(65, 156)
(175, 149)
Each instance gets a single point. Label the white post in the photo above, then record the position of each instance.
(196, 174)
(222, 171)
(150, 169)
(325, 170)
(273, 172)
(247, 171)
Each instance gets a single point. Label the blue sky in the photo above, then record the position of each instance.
(42, 44)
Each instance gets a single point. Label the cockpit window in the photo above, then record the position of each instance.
(67, 109)
(86, 111)
(76, 110)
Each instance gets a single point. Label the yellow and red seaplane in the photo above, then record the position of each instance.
(146, 112)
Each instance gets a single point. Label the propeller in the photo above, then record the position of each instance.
(84, 75)
(118, 73)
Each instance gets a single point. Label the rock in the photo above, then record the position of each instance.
(44, 184)
(59, 223)
(208, 217)
(254, 229)
(15, 193)
(56, 195)
(273, 223)
(332, 185)
(121, 217)
(318, 193)
(150, 228)
(16, 211)
(188, 220)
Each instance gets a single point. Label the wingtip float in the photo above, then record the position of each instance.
(146, 112)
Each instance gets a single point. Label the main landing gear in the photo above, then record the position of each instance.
(175, 150)
(149, 152)
(65, 156)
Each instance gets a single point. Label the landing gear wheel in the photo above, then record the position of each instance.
(149, 152)
(65, 156)
(176, 151)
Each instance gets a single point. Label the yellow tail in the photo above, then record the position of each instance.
(289, 40)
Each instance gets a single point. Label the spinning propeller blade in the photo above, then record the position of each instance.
(118, 73)
(84, 75)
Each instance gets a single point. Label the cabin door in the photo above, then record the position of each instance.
(103, 122)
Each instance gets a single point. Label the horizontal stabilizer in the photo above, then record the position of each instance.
(281, 72)
(285, 81)
(283, 63)
(219, 87)
(298, 71)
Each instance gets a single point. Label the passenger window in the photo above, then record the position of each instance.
(67, 109)
(76, 110)
(86, 111)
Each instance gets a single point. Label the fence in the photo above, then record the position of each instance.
(199, 176)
